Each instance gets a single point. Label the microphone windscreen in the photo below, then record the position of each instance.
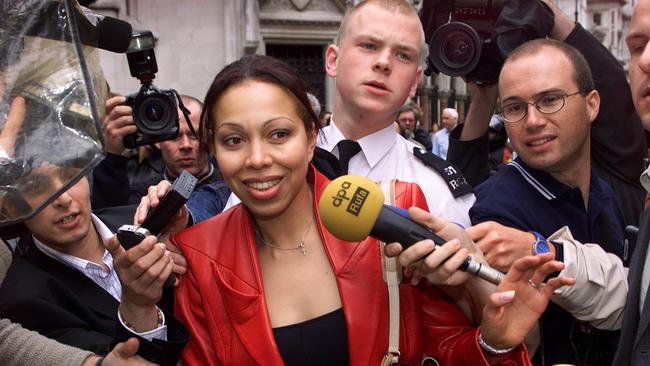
(114, 35)
(349, 207)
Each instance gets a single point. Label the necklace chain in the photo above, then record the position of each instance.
(301, 244)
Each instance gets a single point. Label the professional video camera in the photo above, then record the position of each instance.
(471, 38)
(154, 110)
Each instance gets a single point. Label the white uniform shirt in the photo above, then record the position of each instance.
(387, 155)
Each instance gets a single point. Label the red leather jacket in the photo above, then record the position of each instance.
(221, 299)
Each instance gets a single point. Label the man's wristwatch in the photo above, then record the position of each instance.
(540, 245)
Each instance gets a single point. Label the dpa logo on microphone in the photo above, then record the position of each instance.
(340, 194)
(355, 203)
(358, 199)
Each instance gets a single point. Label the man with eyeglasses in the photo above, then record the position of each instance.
(548, 102)
(625, 310)
(615, 156)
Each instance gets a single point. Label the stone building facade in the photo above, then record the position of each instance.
(197, 38)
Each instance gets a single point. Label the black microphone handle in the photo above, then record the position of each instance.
(391, 227)
(103, 32)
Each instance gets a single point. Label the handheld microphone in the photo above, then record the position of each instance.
(352, 208)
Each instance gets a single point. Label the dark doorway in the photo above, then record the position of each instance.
(308, 60)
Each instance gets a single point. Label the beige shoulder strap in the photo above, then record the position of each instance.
(392, 276)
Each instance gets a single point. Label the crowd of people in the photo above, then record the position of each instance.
(257, 277)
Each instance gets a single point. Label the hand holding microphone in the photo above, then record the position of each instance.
(440, 264)
(352, 208)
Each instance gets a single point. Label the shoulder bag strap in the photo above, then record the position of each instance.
(392, 273)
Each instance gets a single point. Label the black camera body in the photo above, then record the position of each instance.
(155, 115)
(471, 38)
(462, 39)
(154, 110)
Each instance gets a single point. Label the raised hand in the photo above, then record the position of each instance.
(521, 298)
(178, 223)
(152, 199)
(12, 127)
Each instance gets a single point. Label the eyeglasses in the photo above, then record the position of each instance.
(548, 103)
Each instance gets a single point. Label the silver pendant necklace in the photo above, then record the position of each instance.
(301, 244)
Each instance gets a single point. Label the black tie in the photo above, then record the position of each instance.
(347, 149)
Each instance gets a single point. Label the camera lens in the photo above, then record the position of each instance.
(155, 115)
(458, 48)
(154, 112)
(455, 49)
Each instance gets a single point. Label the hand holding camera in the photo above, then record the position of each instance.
(117, 124)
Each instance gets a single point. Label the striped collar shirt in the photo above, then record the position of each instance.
(106, 280)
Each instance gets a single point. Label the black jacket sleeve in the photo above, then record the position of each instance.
(164, 353)
(110, 182)
(471, 157)
(618, 143)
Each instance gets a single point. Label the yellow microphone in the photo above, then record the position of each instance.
(349, 207)
(352, 208)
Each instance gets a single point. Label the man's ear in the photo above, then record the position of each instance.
(593, 104)
(332, 60)
(416, 82)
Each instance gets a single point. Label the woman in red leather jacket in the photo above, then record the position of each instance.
(267, 284)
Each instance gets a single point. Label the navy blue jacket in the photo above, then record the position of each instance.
(532, 200)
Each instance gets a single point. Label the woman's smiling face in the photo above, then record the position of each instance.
(261, 145)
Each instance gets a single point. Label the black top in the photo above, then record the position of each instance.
(319, 341)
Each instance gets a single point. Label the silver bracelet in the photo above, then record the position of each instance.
(492, 350)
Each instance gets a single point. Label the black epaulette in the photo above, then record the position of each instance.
(326, 163)
(452, 176)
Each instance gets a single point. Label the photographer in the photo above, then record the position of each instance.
(150, 117)
(594, 211)
(120, 180)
